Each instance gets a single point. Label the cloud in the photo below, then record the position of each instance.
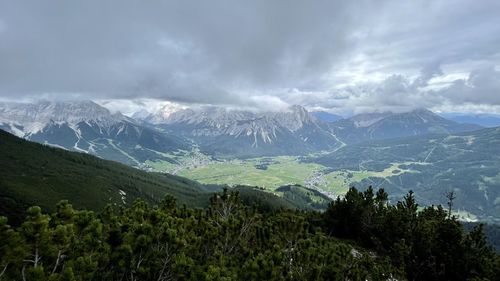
(396, 93)
(129, 107)
(337, 55)
(478, 91)
(3, 27)
(181, 50)
(482, 86)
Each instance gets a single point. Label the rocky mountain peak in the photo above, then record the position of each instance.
(293, 118)
(35, 116)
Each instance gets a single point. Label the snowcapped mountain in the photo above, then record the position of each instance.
(244, 133)
(86, 127)
(375, 126)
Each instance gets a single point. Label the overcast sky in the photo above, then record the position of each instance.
(340, 56)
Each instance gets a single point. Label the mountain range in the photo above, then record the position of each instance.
(223, 132)
(87, 127)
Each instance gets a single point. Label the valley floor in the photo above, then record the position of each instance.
(271, 172)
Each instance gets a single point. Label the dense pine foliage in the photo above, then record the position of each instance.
(359, 237)
(492, 232)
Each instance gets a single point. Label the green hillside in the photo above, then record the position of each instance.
(284, 197)
(466, 163)
(34, 174)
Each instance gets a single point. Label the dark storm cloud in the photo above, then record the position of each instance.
(251, 52)
(183, 50)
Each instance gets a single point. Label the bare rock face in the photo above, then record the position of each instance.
(245, 133)
(34, 117)
(84, 126)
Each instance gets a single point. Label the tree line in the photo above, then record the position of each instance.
(358, 237)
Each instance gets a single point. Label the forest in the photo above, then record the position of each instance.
(358, 237)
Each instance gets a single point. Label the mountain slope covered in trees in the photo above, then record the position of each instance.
(31, 173)
(466, 163)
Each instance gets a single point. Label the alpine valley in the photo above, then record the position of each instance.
(316, 154)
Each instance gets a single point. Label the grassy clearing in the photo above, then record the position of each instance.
(161, 166)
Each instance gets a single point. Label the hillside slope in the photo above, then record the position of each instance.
(35, 174)
(432, 165)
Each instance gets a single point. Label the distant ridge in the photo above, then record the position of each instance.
(485, 120)
(377, 126)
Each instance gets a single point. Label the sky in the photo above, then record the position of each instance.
(338, 56)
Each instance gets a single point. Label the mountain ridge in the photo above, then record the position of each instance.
(485, 120)
(387, 125)
(87, 127)
(227, 132)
